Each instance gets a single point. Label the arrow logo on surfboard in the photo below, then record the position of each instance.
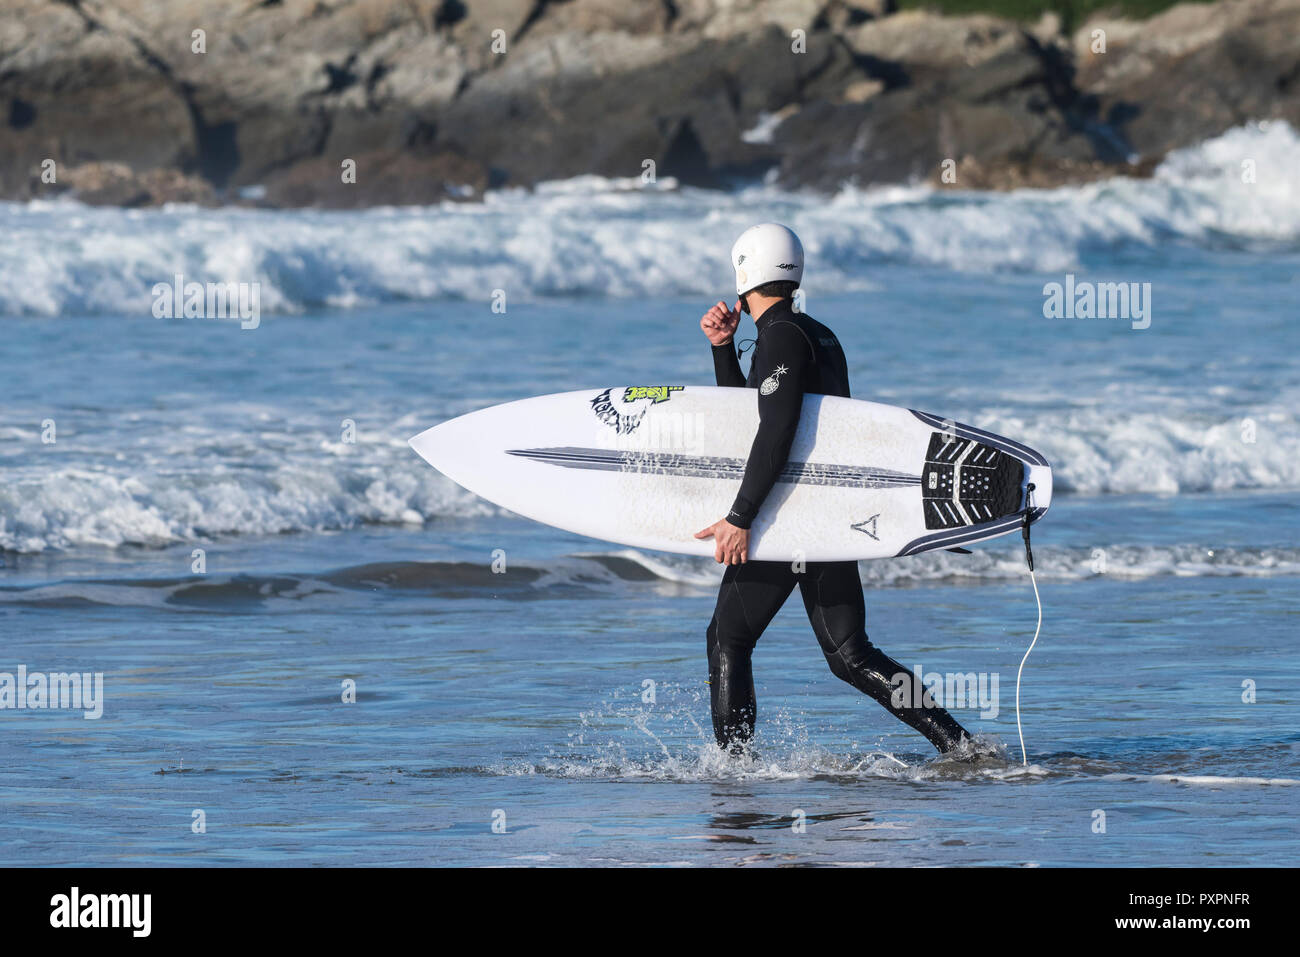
(868, 526)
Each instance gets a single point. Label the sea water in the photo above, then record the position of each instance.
(315, 649)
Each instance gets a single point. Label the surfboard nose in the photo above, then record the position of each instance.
(453, 447)
(432, 445)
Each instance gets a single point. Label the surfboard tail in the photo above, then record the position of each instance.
(1038, 499)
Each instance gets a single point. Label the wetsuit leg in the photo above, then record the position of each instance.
(751, 594)
(832, 596)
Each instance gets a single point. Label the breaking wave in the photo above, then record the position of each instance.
(609, 238)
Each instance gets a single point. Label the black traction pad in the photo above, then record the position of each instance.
(989, 482)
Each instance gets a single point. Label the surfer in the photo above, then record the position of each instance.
(793, 355)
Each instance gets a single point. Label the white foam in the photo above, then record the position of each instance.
(212, 482)
(1004, 561)
(623, 740)
(594, 236)
(1209, 780)
(1183, 443)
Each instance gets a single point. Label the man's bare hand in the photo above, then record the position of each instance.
(720, 323)
(730, 543)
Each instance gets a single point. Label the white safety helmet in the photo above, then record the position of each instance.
(764, 253)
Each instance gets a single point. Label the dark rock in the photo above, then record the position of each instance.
(116, 184)
(382, 179)
(707, 89)
(1193, 71)
(559, 109)
(75, 94)
(954, 89)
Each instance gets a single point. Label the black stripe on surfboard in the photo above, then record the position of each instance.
(1014, 449)
(718, 467)
(969, 533)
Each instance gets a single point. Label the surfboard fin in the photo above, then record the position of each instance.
(960, 551)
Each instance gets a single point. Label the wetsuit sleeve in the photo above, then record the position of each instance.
(726, 367)
(781, 358)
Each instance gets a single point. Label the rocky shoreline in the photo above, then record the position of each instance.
(267, 102)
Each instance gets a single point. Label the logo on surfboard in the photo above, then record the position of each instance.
(641, 397)
(867, 526)
(655, 393)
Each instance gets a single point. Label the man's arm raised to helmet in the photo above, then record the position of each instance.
(719, 325)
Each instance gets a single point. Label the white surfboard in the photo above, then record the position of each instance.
(649, 466)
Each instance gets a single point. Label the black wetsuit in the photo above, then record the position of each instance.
(794, 355)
